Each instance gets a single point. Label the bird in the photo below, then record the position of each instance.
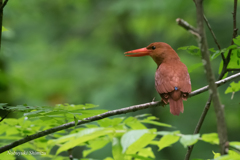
(172, 80)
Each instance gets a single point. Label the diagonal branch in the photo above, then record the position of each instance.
(214, 37)
(4, 4)
(188, 27)
(210, 29)
(104, 115)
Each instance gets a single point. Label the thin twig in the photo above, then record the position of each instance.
(4, 4)
(188, 27)
(5, 116)
(234, 148)
(70, 154)
(218, 83)
(1, 21)
(210, 29)
(213, 35)
(235, 29)
(104, 115)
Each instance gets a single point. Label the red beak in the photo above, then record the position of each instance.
(138, 52)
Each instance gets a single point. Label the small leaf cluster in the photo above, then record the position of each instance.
(234, 62)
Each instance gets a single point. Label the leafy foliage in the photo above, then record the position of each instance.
(129, 137)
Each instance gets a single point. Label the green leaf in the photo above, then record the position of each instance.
(194, 50)
(235, 144)
(117, 149)
(155, 123)
(4, 29)
(232, 47)
(95, 145)
(211, 138)
(83, 136)
(106, 122)
(163, 133)
(234, 87)
(146, 152)
(134, 123)
(234, 58)
(152, 118)
(216, 155)
(75, 120)
(216, 54)
(62, 139)
(131, 137)
(33, 113)
(232, 152)
(12, 131)
(237, 41)
(141, 142)
(238, 54)
(188, 140)
(212, 50)
(220, 67)
(7, 155)
(167, 141)
(228, 157)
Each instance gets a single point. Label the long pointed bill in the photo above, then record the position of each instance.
(138, 52)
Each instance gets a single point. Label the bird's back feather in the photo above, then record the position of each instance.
(172, 81)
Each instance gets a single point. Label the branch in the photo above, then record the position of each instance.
(4, 4)
(204, 113)
(1, 20)
(223, 72)
(218, 83)
(210, 29)
(70, 154)
(221, 124)
(5, 116)
(235, 29)
(214, 37)
(104, 115)
(188, 27)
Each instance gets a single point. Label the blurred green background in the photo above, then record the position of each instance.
(72, 52)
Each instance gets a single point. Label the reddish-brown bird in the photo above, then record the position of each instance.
(172, 80)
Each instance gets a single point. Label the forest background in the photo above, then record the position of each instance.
(57, 52)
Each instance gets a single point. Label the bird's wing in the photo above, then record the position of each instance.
(171, 75)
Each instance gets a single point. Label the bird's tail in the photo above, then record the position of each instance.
(176, 106)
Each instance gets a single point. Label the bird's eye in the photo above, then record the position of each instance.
(153, 47)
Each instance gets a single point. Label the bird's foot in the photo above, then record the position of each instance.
(164, 103)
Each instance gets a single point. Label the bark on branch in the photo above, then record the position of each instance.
(221, 124)
(188, 27)
(104, 115)
(223, 72)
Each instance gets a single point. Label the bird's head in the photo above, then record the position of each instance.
(159, 52)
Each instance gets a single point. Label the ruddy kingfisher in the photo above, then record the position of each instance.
(172, 80)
